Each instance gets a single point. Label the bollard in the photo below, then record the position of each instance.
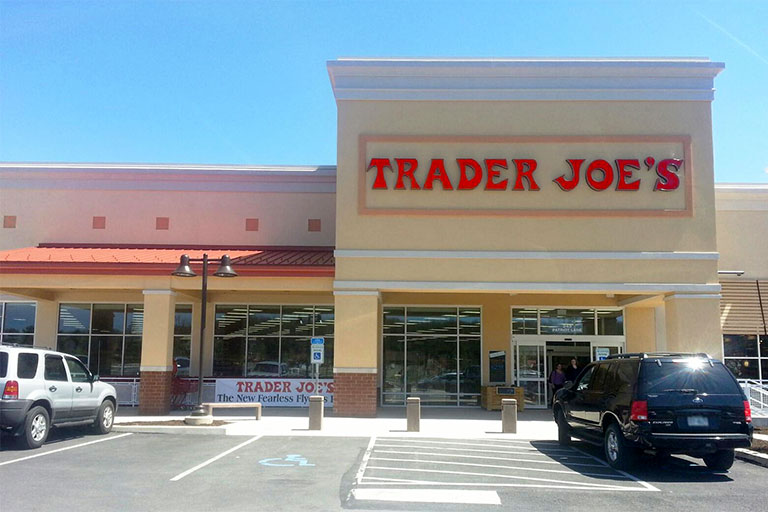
(316, 411)
(508, 416)
(413, 414)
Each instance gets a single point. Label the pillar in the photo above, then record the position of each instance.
(157, 352)
(355, 359)
(46, 323)
(693, 324)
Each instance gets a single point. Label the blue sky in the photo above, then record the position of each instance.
(245, 82)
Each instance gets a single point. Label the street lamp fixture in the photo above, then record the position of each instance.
(185, 270)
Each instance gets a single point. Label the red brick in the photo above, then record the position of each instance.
(155, 393)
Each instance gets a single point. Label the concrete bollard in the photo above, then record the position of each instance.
(413, 413)
(508, 416)
(316, 411)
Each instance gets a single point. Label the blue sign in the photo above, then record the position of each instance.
(318, 350)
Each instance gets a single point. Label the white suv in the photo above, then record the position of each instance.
(43, 388)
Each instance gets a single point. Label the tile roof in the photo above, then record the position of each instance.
(159, 260)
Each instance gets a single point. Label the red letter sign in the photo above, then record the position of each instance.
(437, 171)
(380, 164)
(525, 168)
(605, 168)
(570, 184)
(625, 168)
(490, 163)
(464, 182)
(667, 171)
(402, 172)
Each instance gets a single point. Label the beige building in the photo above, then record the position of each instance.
(487, 219)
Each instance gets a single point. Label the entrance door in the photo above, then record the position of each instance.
(532, 374)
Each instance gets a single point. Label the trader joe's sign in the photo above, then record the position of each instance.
(274, 392)
(526, 175)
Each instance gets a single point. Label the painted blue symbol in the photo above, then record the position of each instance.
(288, 461)
(316, 356)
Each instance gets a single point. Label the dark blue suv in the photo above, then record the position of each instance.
(668, 403)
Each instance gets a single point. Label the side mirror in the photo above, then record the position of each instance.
(568, 384)
(94, 378)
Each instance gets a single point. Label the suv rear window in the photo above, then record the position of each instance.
(27, 365)
(3, 364)
(688, 374)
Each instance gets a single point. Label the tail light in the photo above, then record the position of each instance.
(747, 412)
(639, 411)
(11, 391)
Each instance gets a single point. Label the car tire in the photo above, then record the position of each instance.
(37, 425)
(617, 453)
(105, 418)
(721, 460)
(563, 429)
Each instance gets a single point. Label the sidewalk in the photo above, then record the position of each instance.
(390, 422)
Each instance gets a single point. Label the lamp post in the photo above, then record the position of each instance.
(184, 270)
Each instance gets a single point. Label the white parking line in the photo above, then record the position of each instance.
(213, 459)
(428, 496)
(497, 466)
(486, 457)
(454, 443)
(537, 453)
(494, 475)
(631, 477)
(575, 486)
(366, 457)
(64, 449)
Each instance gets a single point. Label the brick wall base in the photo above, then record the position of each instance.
(155, 393)
(354, 394)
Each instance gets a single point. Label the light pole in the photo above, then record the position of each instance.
(184, 270)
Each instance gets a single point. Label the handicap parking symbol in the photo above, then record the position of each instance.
(317, 356)
(288, 461)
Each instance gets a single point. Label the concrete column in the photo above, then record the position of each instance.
(46, 323)
(693, 324)
(157, 352)
(355, 363)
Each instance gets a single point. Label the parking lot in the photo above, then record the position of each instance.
(127, 471)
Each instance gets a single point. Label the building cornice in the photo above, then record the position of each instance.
(651, 79)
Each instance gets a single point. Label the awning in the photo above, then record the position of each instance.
(62, 258)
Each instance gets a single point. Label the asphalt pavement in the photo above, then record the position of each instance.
(169, 472)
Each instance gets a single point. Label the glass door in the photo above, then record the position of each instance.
(532, 374)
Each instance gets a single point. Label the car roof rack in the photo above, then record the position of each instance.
(645, 355)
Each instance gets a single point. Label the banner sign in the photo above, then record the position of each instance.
(274, 392)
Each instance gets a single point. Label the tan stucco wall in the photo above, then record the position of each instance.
(519, 233)
(640, 329)
(157, 337)
(742, 238)
(195, 217)
(693, 325)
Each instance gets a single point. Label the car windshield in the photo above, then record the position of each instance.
(688, 376)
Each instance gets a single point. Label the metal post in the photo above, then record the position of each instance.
(413, 414)
(316, 411)
(204, 301)
(508, 416)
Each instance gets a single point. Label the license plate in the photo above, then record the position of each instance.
(698, 421)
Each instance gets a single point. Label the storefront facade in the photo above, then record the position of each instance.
(487, 219)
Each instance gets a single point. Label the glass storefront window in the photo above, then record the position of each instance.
(106, 337)
(394, 321)
(108, 319)
(610, 322)
(431, 370)
(18, 318)
(567, 321)
(275, 340)
(525, 321)
(393, 378)
(182, 339)
(740, 345)
(744, 368)
(469, 370)
(435, 321)
(469, 321)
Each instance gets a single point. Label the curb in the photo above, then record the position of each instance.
(751, 456)
(158, 429)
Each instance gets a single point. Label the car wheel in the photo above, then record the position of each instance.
(105, 418)
(37, 424)
(721, 460)
(617, 453)
(563, 429)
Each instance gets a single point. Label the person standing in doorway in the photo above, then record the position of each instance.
(556, 380)
(573, 370)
